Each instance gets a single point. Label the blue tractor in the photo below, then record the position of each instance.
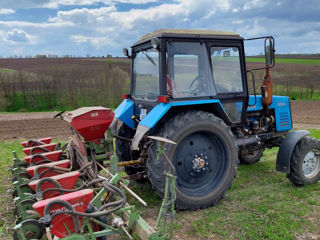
(190, 86)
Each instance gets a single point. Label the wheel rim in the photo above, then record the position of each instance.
(32, 229)
(311, 163)
(201, 161)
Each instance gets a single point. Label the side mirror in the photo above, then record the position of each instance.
(126, 52)
(226, 53)
(269, 51)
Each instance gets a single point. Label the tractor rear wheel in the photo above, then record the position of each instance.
(305, 162)
(204, 158)
(250, 157)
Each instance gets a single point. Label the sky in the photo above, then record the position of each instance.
(101, 27)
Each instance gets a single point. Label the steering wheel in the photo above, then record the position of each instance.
(59, 114)
(201, 84)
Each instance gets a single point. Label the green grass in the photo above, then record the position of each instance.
(297, 93)
(7, 70)
(286, 60)
(6, 205)
(262, 204)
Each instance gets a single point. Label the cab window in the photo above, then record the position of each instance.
(188, 70)
(226, 69)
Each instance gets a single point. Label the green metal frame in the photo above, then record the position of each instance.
(164, 226)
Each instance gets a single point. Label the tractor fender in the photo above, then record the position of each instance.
(124, 113)
(286, 149)
(154, 116)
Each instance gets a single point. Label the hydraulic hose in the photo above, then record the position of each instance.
(32, 142)
(45, 159)
(40, 193)
(38, 148)
(48, 218)
(63, 190)
(117, 204)
(38, 175)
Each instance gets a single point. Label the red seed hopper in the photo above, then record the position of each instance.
(90, 122)
(44, 168)
(63, 224)
(39, 149)
(66, 180)
(38, 142)
(50, 156)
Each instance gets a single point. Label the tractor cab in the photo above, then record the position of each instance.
(172, 65)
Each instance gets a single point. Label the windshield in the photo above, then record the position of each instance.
(146, 75)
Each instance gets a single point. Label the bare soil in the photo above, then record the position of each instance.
(32, 125)
(45, 65)
(305, 114)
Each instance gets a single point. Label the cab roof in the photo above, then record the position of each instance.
(187, 33)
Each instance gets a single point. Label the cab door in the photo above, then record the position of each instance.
(229, 76)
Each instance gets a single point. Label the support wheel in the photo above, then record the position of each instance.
(305, 162)
(247, 157)
(31, 228)
(204, 157)
(25, 205)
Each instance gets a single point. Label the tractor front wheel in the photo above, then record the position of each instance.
(250, 157)
(204, 158)
(305, 162)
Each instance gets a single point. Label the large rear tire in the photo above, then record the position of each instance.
(305, 162)
(204, 157)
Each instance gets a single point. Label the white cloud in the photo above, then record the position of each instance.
(97, 42)
(235, 10)
(237, 22)
(134, 1)
(55, 4)
(22, 24)
(108, 29)
(254, 4)
(6, 11)
(17, 35)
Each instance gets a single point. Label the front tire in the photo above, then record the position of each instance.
(204, 157)
(305, 162)
(250, 157)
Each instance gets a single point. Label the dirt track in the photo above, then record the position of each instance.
(306, 114)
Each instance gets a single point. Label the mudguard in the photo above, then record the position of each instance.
(286, 149)
(158, 112)
(124, 112)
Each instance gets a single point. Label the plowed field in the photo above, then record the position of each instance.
(305, 114)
